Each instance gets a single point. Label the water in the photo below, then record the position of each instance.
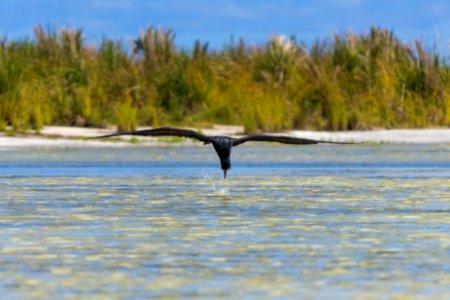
(359, 221)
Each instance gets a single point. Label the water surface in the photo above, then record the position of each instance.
(320, 221)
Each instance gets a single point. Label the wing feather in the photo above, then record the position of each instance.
(280, 139)
(163, 131)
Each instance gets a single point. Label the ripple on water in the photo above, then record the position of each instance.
(283, 233)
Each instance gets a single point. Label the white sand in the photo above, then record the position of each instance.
(63, 131)
(43, 142)
(74, 137)
(397, 136)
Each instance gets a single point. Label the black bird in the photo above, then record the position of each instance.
(222, 144)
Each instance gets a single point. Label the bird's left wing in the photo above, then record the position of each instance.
(280, 139)
(163, 131)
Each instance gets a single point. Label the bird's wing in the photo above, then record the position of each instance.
(280, 139)
(163, 131)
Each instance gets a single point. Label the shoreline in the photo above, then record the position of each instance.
(61, 137)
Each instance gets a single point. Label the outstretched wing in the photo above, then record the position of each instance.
(279, 139)
(163, 131)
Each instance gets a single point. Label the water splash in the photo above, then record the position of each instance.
(220, 187)
(206, 175)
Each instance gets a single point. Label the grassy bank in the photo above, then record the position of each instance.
(349, 81)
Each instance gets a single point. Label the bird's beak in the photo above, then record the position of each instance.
(224, 174)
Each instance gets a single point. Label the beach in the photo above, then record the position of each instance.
(78, 137)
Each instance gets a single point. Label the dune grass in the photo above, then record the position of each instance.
(349, 81)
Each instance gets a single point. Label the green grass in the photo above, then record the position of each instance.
(134, 141)
(174, 139)
(349, 81)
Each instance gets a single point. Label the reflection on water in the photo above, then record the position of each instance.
(299, 222)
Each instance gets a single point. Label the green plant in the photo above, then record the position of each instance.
(348, 81)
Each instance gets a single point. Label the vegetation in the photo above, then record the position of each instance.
(350, 81)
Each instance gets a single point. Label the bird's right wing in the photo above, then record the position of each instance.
(163, 131)
(280, 139)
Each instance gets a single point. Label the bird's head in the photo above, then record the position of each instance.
(222, 145)
(226, 165)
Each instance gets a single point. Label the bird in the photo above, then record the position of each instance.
(222, 144)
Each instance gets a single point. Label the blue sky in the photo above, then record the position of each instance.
(217, 21)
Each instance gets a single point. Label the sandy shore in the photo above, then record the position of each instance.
(76, 137)
(395, 136)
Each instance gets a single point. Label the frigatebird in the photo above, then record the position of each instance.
(222, 144)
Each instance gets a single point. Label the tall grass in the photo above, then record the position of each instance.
(349, 81)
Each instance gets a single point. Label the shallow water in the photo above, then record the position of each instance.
(325, 221)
